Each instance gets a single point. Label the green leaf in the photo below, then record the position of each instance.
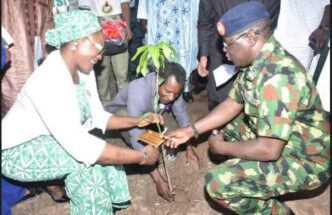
(158, 53)
(167, 51)
(142, 63)
(139, 51)
(145, 69)
(139, 67)
(162, 59)
(155, 55)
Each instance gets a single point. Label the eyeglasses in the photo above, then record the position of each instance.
(99, 47)
(228, 44)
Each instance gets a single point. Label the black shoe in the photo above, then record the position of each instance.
(188, 97)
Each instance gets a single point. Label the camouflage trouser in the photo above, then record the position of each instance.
(250, 187)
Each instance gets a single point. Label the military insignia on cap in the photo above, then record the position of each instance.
(221, 28)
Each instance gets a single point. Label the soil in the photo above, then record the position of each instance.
(187, 182)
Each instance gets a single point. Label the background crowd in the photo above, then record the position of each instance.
(190, 26)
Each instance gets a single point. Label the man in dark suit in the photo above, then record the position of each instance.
(210, 43)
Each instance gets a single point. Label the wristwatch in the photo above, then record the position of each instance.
(195, 131)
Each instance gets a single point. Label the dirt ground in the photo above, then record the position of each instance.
(187, 182)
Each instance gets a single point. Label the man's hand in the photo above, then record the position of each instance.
(152, 154)
(129, 34)
(163, 189)
(144, 24)
(202, 71)
(317, 39)
(192, 156)
(178, 137)
(149, 118)
(215, 143)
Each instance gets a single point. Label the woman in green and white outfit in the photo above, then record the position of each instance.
(45, 134)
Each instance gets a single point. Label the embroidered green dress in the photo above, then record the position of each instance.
(92, 190)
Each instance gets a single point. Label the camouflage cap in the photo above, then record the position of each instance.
(70, 26)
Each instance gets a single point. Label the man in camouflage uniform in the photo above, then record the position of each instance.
(278, 135)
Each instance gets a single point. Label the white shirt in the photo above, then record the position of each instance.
(97, 6)
(297, 20)
(323, 84)
(48, 105)
(6, 39)
(142, 12)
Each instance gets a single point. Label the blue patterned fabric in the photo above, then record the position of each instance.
(175, 22)
(3, 57)
(10, 195)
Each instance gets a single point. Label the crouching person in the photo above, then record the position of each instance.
(45, 134)
(275, 128)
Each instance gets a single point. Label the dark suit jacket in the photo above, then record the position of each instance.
(210, 43)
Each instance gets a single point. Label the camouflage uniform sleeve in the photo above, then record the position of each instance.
(278, 107)
(234, 92)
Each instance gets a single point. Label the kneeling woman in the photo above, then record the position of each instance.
(45, 134)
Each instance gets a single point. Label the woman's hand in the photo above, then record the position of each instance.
(149, 118)
(152, 155)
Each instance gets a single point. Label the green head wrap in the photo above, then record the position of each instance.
(70, 26)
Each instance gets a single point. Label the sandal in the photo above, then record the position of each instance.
(51, 191)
